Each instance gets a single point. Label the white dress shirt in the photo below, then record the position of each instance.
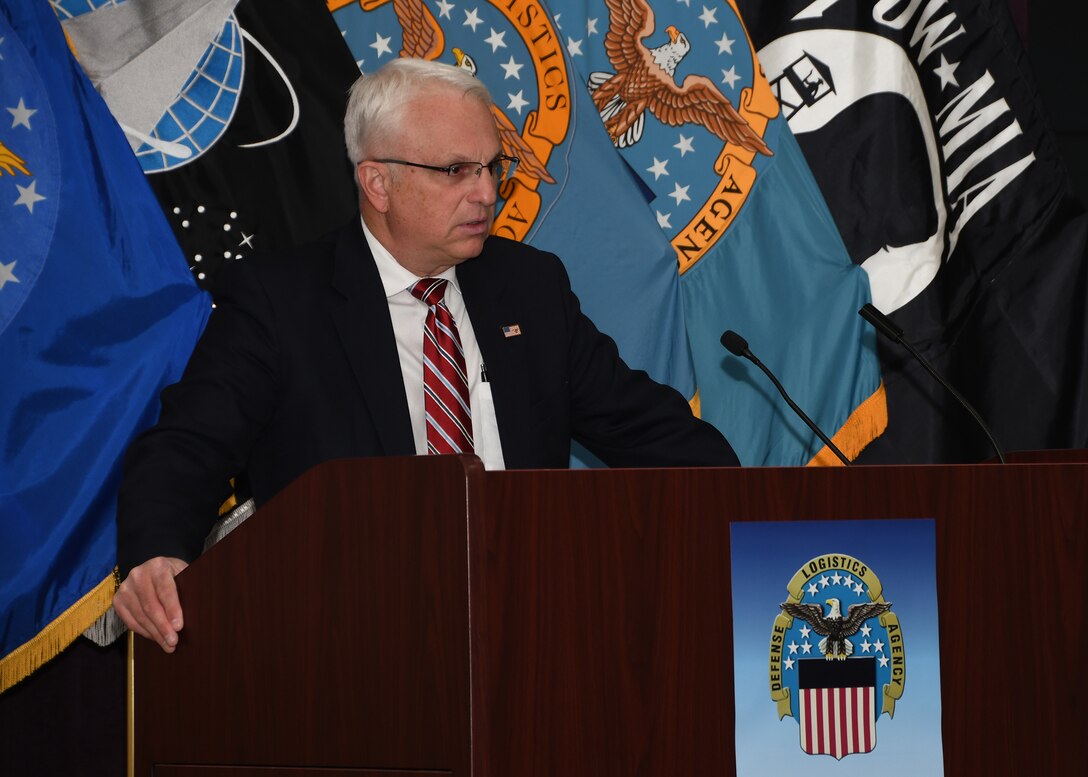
(409, 315)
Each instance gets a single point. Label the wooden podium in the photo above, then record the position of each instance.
(420, 616)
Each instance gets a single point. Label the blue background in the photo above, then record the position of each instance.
(902, 555)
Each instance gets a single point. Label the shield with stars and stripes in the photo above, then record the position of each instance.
(837, 706)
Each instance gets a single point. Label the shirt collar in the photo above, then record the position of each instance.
(395, 277)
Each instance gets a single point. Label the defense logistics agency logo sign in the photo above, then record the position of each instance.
(512, 47)
(836, 652)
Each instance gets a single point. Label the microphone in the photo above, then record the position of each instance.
(738, 346)
(884, 325)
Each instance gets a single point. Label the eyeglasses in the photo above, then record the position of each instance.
(500, 168)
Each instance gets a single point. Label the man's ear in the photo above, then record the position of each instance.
(374, 184)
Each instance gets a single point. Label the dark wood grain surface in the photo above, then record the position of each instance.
(612, 617)
(329, 630)
(600, 615)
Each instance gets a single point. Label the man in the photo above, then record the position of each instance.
(410, 331)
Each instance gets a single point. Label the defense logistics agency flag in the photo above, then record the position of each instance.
(571, 193)
(682, 95)
(922, 126)
(97, 314)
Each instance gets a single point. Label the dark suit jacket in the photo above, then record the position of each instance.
(299, 365)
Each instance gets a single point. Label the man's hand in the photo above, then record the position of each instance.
(147, 601)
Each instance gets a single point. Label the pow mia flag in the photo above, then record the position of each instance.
(921, 125)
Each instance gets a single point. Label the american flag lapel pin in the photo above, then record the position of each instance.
(511, 330)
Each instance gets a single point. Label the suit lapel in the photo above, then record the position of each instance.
(492, 302)
(361, 316)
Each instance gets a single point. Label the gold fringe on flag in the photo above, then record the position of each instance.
(696, 405)
(50, 641)
(865, 424)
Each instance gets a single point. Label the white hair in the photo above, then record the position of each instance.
(376, 101)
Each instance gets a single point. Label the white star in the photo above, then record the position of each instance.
(730, 77)
(805, 631)
(685, 145)
(512, 68)
(381, 45)
(472, 19)
(836, 578)
(659, 168)
(28, 196)
(22, 114)
(878, 646)
(558, 26)
(788, 663)
(247, 241)
(444, 8)
(496, 39)
(359, 64)
(812, 588)
(883, 661)
(680, 193)
(805, 648)
(824, 581)
(663, 219)
(517, 101)
(947, 72)
(591, 27)
(865, 630)
(793, 648)
(685, 2)
(6, 270)
(865, 646)
(848, 581)
(858, 589)
(725, 45)
(708, 17)
(574, 47)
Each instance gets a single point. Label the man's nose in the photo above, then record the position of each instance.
(485, 189)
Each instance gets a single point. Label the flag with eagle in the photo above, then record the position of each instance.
(683, 99)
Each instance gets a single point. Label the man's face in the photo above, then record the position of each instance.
(435, 221)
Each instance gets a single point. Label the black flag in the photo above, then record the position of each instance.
(277, 174)
(922, 125)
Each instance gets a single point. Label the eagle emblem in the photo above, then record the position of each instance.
(834, 628)
(850, 677)
(644, 80)
(11, 162)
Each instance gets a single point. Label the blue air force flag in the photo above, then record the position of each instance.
(97, 313)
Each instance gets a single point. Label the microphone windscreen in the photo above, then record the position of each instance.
(734, 343)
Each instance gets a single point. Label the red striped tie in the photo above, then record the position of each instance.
(445, 380)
